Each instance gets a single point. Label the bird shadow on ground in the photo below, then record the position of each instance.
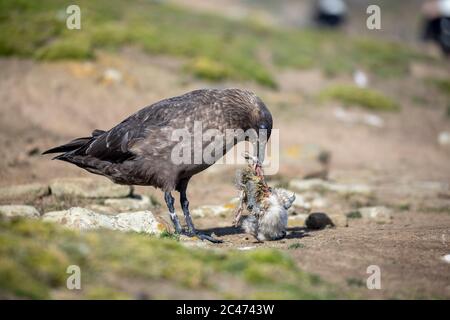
(292, 233)
(297, 233)
(224, 231)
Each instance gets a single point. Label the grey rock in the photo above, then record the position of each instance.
(102, 209)
(28, 191)
(339, 220)
(88, 188)
(378, 214)
(446, 258)
(141, 221)
(79, 218)
(11, 211)
(84, 219)
(305, 202)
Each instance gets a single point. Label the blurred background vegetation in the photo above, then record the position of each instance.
(216, 47)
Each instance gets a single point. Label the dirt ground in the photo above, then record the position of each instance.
(44, 104)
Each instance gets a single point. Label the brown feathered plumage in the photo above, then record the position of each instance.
(137, 151)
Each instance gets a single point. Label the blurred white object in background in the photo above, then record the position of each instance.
(360, 79)
(444, 138)
(112, 75)
(373, 120)
(334, 7)
(444, 7)
(355, 118)
(446, 258)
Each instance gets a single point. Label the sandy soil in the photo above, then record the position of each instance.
(46, 104)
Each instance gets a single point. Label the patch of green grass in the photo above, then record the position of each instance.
(443, 209)
(215, 48)
(365, 98)
(354, 215)
(75, 48)
(206, 68)
(443, 85)
(106, 293)
(170, 235)
(404, 207)
(296, 245)
(385, 58)
(35, 256)
(355, 282)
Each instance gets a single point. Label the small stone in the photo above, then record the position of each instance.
(319, 202)
(297, 220)
(11, 211)
(339, 220)
(305, 202)
(29, 191)
(88, 188)
(444, 138)
(301, 203)
(111, 76)
(318, 221)
(379, 214)
(360, 78)
(446, 258)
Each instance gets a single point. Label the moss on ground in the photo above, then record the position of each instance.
(215, 47)
(35, 256)
(443, 85)
(365, 98)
